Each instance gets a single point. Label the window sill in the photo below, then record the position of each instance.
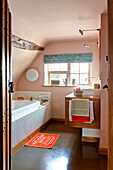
(58, 86)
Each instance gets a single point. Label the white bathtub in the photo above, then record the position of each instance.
(21, 108)
(26, 118)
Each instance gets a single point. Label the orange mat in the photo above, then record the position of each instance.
(43, 140)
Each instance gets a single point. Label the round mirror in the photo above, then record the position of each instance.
(32, 75)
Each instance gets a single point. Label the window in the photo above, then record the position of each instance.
(78, 71)
(57, 72)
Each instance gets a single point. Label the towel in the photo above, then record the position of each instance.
(70, 115)
(85, 119)
(91, 112)
(20, 98)
(80, 107)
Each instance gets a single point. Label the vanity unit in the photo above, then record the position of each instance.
(94, 126)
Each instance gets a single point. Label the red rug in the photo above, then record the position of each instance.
(43, 140)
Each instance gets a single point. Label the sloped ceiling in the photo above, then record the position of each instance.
(21, 59)
(44, 21)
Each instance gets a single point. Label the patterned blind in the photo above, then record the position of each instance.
(68, 58)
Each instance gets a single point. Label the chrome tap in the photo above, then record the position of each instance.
(91, 78)
(37, 97)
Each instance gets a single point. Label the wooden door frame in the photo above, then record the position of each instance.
(5, 78)
(10, 95)
(3, 155)
(110, 85)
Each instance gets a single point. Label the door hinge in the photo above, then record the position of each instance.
(11, 87)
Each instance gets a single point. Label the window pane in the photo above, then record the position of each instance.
(74, 76)
(83, 79)
(74, 67)
(84, 67)
(58, 67)
(53, 77)
(60, 77)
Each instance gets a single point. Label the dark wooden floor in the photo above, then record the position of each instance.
(69, 153)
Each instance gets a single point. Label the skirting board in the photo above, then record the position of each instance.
(17, 147)
(90, 139)
(103, 151)
(57, 120)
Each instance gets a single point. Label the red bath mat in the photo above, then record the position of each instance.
(43, 140)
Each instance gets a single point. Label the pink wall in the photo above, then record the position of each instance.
(21, 59)
(104, 76)
(58, 93)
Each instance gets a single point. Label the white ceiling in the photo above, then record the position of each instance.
(41, 21)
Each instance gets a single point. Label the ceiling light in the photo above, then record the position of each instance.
(93, 43)
(86, 45)
(81, 31)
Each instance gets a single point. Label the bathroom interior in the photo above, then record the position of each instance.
(69, 65)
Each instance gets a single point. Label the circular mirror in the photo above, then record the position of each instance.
(32, 75)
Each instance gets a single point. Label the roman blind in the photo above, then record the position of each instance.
(68, 58)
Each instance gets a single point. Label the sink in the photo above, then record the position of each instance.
(91, 92)
(86, 87)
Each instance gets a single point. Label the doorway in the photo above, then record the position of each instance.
(5, 86)
(5, 66)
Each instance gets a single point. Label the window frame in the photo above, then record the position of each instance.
(55, 72)
(68, 73)
(81, 73)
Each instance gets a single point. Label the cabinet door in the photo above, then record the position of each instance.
(95, 124)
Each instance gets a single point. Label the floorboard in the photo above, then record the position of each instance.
(69, 153)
